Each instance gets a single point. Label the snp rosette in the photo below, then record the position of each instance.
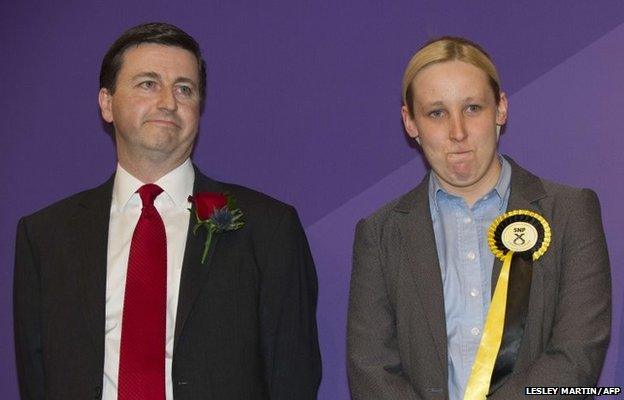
(523, 232)
(517, 238)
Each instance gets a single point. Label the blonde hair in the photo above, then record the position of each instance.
(444, 49)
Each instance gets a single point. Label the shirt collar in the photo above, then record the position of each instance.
(500, 189)
(176, 184)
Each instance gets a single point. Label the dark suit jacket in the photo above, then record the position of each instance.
(396, 326)
(245, 325)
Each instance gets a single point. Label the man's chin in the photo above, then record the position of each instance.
(159, 141)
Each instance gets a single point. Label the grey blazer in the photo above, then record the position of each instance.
(396, 325)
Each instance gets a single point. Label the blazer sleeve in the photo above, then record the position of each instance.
(374, 365)
(288, 296)
(575, 353)
(27, 317)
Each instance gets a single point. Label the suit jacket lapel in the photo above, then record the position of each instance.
(419, 247)
(194, 273)
(89, 235)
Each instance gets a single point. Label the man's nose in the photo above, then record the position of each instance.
(167, 100)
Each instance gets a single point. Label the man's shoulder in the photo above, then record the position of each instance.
(66, 207)
(254, 200)
(247, 199)
(261, 212)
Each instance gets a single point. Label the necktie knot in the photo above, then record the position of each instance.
(148, 193)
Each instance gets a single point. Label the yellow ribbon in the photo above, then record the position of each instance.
(481, 374)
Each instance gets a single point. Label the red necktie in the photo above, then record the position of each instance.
(142, 352)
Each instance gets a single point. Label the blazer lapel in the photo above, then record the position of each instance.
(90, 239)
(419, 247)
(194, 273)
(526, 191)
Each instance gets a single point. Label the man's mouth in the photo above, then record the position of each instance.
(163, 122)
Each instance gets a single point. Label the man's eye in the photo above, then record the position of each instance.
(147, 84)
(185, 91)
(436, 113)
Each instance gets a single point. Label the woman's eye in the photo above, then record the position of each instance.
(473, 108)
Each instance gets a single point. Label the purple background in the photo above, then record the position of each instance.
(303, 104)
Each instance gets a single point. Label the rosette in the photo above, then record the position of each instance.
(517, 238)
(521, 231)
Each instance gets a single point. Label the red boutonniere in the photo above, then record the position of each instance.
(217, 213)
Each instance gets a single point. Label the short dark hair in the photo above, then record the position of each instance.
(153, 32)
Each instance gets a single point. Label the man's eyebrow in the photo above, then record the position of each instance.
(156, 76)
(146, 74)
(183, 79)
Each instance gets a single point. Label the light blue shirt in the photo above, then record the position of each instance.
(466, 265)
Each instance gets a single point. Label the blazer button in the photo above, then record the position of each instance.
(181, 383)
(98, 393)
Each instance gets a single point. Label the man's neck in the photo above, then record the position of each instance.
(146, 171)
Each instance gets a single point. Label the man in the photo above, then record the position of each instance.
(424, 270)
(117, 297)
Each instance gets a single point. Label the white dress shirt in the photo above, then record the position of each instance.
(172, 204)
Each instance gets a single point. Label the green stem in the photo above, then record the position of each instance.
(207, 244)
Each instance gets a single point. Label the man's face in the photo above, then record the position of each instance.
(156, 105)
(455, 117)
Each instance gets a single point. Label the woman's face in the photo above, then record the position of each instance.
(455, 118)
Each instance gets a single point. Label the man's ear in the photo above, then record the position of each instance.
(501, 110)
(408, 123)
(105, 99)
